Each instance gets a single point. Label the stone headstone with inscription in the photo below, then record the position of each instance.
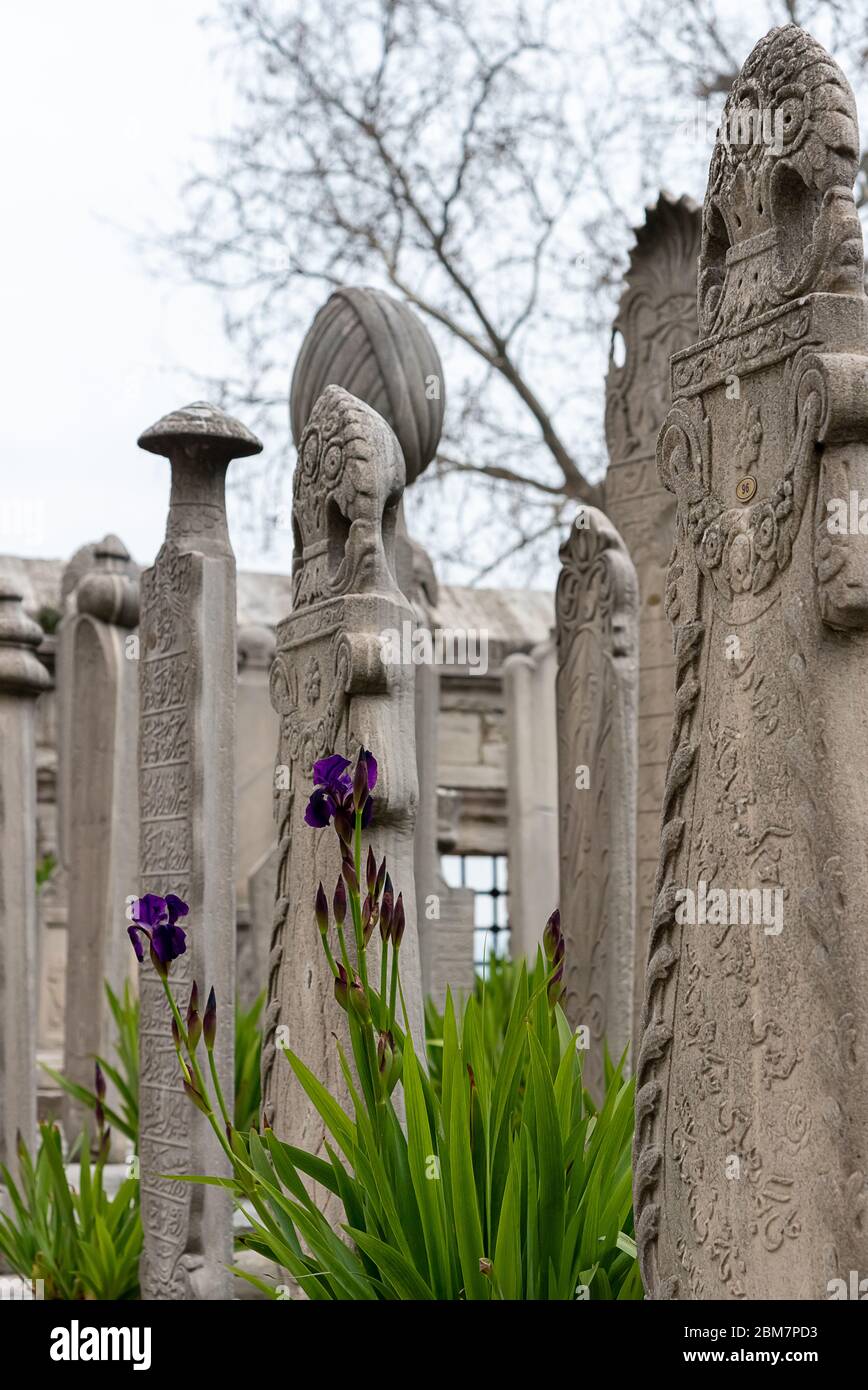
(752, 1101)
(334, 693)
(98, 679)
(22, 680)
(596, 623)
(377, 348)
(656, 317)
(187, 841)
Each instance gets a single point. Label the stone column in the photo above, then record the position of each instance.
(22, 679)
(656, 317)
(333, 691)
(596, 619)
(187, 839)
(752, 1100)
(99, 697)
(444, 914)
(258, 728)
(532, 794)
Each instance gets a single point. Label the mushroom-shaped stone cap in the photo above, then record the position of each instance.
(196, 423)
(21, 672)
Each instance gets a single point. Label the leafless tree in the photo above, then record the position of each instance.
(484, 162)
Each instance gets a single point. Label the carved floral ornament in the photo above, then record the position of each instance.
(656, 318)
(346, 489)
(743, 550)
(597, 581)
(779, 218)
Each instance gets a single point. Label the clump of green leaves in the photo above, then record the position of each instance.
(124, 1073)
(506, 1184)
(44, 869)
(83, 1244)
(494, 1179)
(49, 618)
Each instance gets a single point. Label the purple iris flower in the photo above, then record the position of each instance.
(155, 919)
(334, 790)
(332, 774)
(331, 785)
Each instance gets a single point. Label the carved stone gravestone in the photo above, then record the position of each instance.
(752, 1100)
(22, 679)
(656, 317)
(596, 617)
(98, 688)
(187, 694)
(334, 692)
(377, 348)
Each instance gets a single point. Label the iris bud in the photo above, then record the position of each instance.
(551, 934)
(341, 987)
(343, 826)
(398, 921)
(381, 878)
(370, 871)
(360, 782)
(209, 1024)
(339, 902)
(321, 910)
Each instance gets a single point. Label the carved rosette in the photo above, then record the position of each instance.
(751, 1106)
(596, 625)
(656, 317)
(333, 692)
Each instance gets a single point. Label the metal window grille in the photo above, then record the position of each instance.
(485, 874)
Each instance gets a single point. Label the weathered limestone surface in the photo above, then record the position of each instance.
(187, 840)
(532, 794)
(99, 698)
(752, 1101)
(333, 693)
(656, 317)
(254, 792)
(596, 620)
(22, 678)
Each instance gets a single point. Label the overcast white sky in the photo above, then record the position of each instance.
(105, 107)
